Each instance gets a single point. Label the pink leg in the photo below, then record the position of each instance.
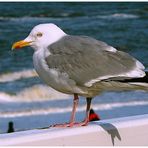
(86, 120)
(75, 104)
(71, 123)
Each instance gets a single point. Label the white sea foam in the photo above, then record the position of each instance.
(65, 16)
(8, 77)
(31, 19)
(69, 108)
(34, 93)
(118, 16)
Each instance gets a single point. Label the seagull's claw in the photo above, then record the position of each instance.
(63, 125)
(78, 124)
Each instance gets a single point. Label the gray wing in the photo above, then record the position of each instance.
(87, 60)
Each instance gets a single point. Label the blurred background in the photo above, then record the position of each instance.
(26, 100)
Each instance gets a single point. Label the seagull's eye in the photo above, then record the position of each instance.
(39, 34)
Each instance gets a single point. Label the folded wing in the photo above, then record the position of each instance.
(86, 61)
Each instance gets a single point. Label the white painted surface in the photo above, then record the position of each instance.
(129, 131)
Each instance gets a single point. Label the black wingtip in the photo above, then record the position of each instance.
(143, 79)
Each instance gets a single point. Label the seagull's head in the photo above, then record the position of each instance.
(40, 37)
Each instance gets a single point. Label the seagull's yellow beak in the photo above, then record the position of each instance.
(20, 44)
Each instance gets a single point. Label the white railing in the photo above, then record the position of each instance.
(128, 131)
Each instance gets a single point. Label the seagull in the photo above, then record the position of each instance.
(81, 66)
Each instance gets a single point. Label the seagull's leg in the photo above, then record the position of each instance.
(87, 110)
(75, 104)
(86, 120)
(71, 123)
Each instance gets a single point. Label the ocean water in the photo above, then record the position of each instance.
(24, 97)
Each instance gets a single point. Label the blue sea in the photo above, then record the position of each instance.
(26, 100)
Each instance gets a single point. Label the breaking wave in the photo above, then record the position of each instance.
(8, 77)
(29, 18)
(69, 16)
(68, 109)
(118, 16)
(34, 93)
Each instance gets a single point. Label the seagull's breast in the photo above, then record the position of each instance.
(52, 77)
